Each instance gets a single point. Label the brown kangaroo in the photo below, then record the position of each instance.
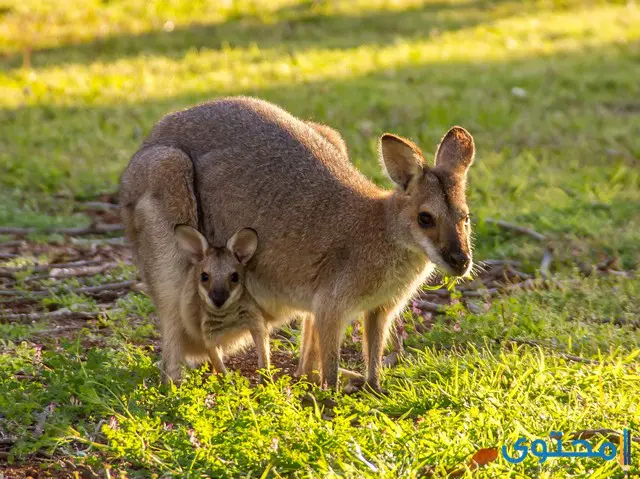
(333, 244)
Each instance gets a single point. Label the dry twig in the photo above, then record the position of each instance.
(442, 293)
(41, 268)
(568, 357)
(99, 205)
(517, 229)
(89, 290)
(500, 262)
(82, 230)
(545, 266)
(429, 306)
(73, 273)
(59, 314)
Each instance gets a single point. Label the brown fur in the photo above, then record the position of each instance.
(211, 329)
(156, 195)
(333, 245)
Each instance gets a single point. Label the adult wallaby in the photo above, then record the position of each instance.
(198, 289)
(332, 243)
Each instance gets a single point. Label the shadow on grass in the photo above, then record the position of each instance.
(296, 28)
(571, 108)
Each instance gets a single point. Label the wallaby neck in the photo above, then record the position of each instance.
(387, 269)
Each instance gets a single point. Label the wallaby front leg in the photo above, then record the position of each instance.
(330, 328)
(261, 340)
(215, 356)
(171, 362)
(376, 328)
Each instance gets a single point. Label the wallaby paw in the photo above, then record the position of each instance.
(356, 386)
(309, 400)
(392, 359)
(351, 388)
(168, 378)
(171, 379)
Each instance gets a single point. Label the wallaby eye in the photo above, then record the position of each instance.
(204, 277)
(426, 220)
(467, 219)
(235, 277)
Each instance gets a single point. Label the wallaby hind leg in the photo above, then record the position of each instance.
(376, 328)
(164, 271)
(330, 327)
(309, 363)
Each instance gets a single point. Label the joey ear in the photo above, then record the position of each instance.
(402, 159)
(456, 151)
(243, 244)
(191, 241)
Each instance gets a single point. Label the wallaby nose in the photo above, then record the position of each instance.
(459, 261)
(219, 296)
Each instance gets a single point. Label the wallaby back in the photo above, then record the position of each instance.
(159, 182)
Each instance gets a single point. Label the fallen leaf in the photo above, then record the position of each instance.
(480, 458)
(485, 456)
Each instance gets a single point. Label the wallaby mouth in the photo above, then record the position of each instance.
(459, 262)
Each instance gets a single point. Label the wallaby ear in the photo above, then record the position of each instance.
(191, 241)
(456, 151)
(402, 159)
(243, 244)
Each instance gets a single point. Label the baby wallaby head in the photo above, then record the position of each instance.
(431, 206)
(219, 272)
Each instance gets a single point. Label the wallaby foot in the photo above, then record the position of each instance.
(357, 385)
(172, 353)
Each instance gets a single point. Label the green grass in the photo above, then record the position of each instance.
(550, 91)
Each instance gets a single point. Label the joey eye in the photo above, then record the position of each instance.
(204, 277)
(426, 220)
(467, 219)
(235, 277)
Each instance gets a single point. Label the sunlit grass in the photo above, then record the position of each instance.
(549, 90)
(231, 70)
(457, 392)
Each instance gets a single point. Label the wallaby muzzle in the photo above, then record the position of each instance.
(458, 260)
(219, 296)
